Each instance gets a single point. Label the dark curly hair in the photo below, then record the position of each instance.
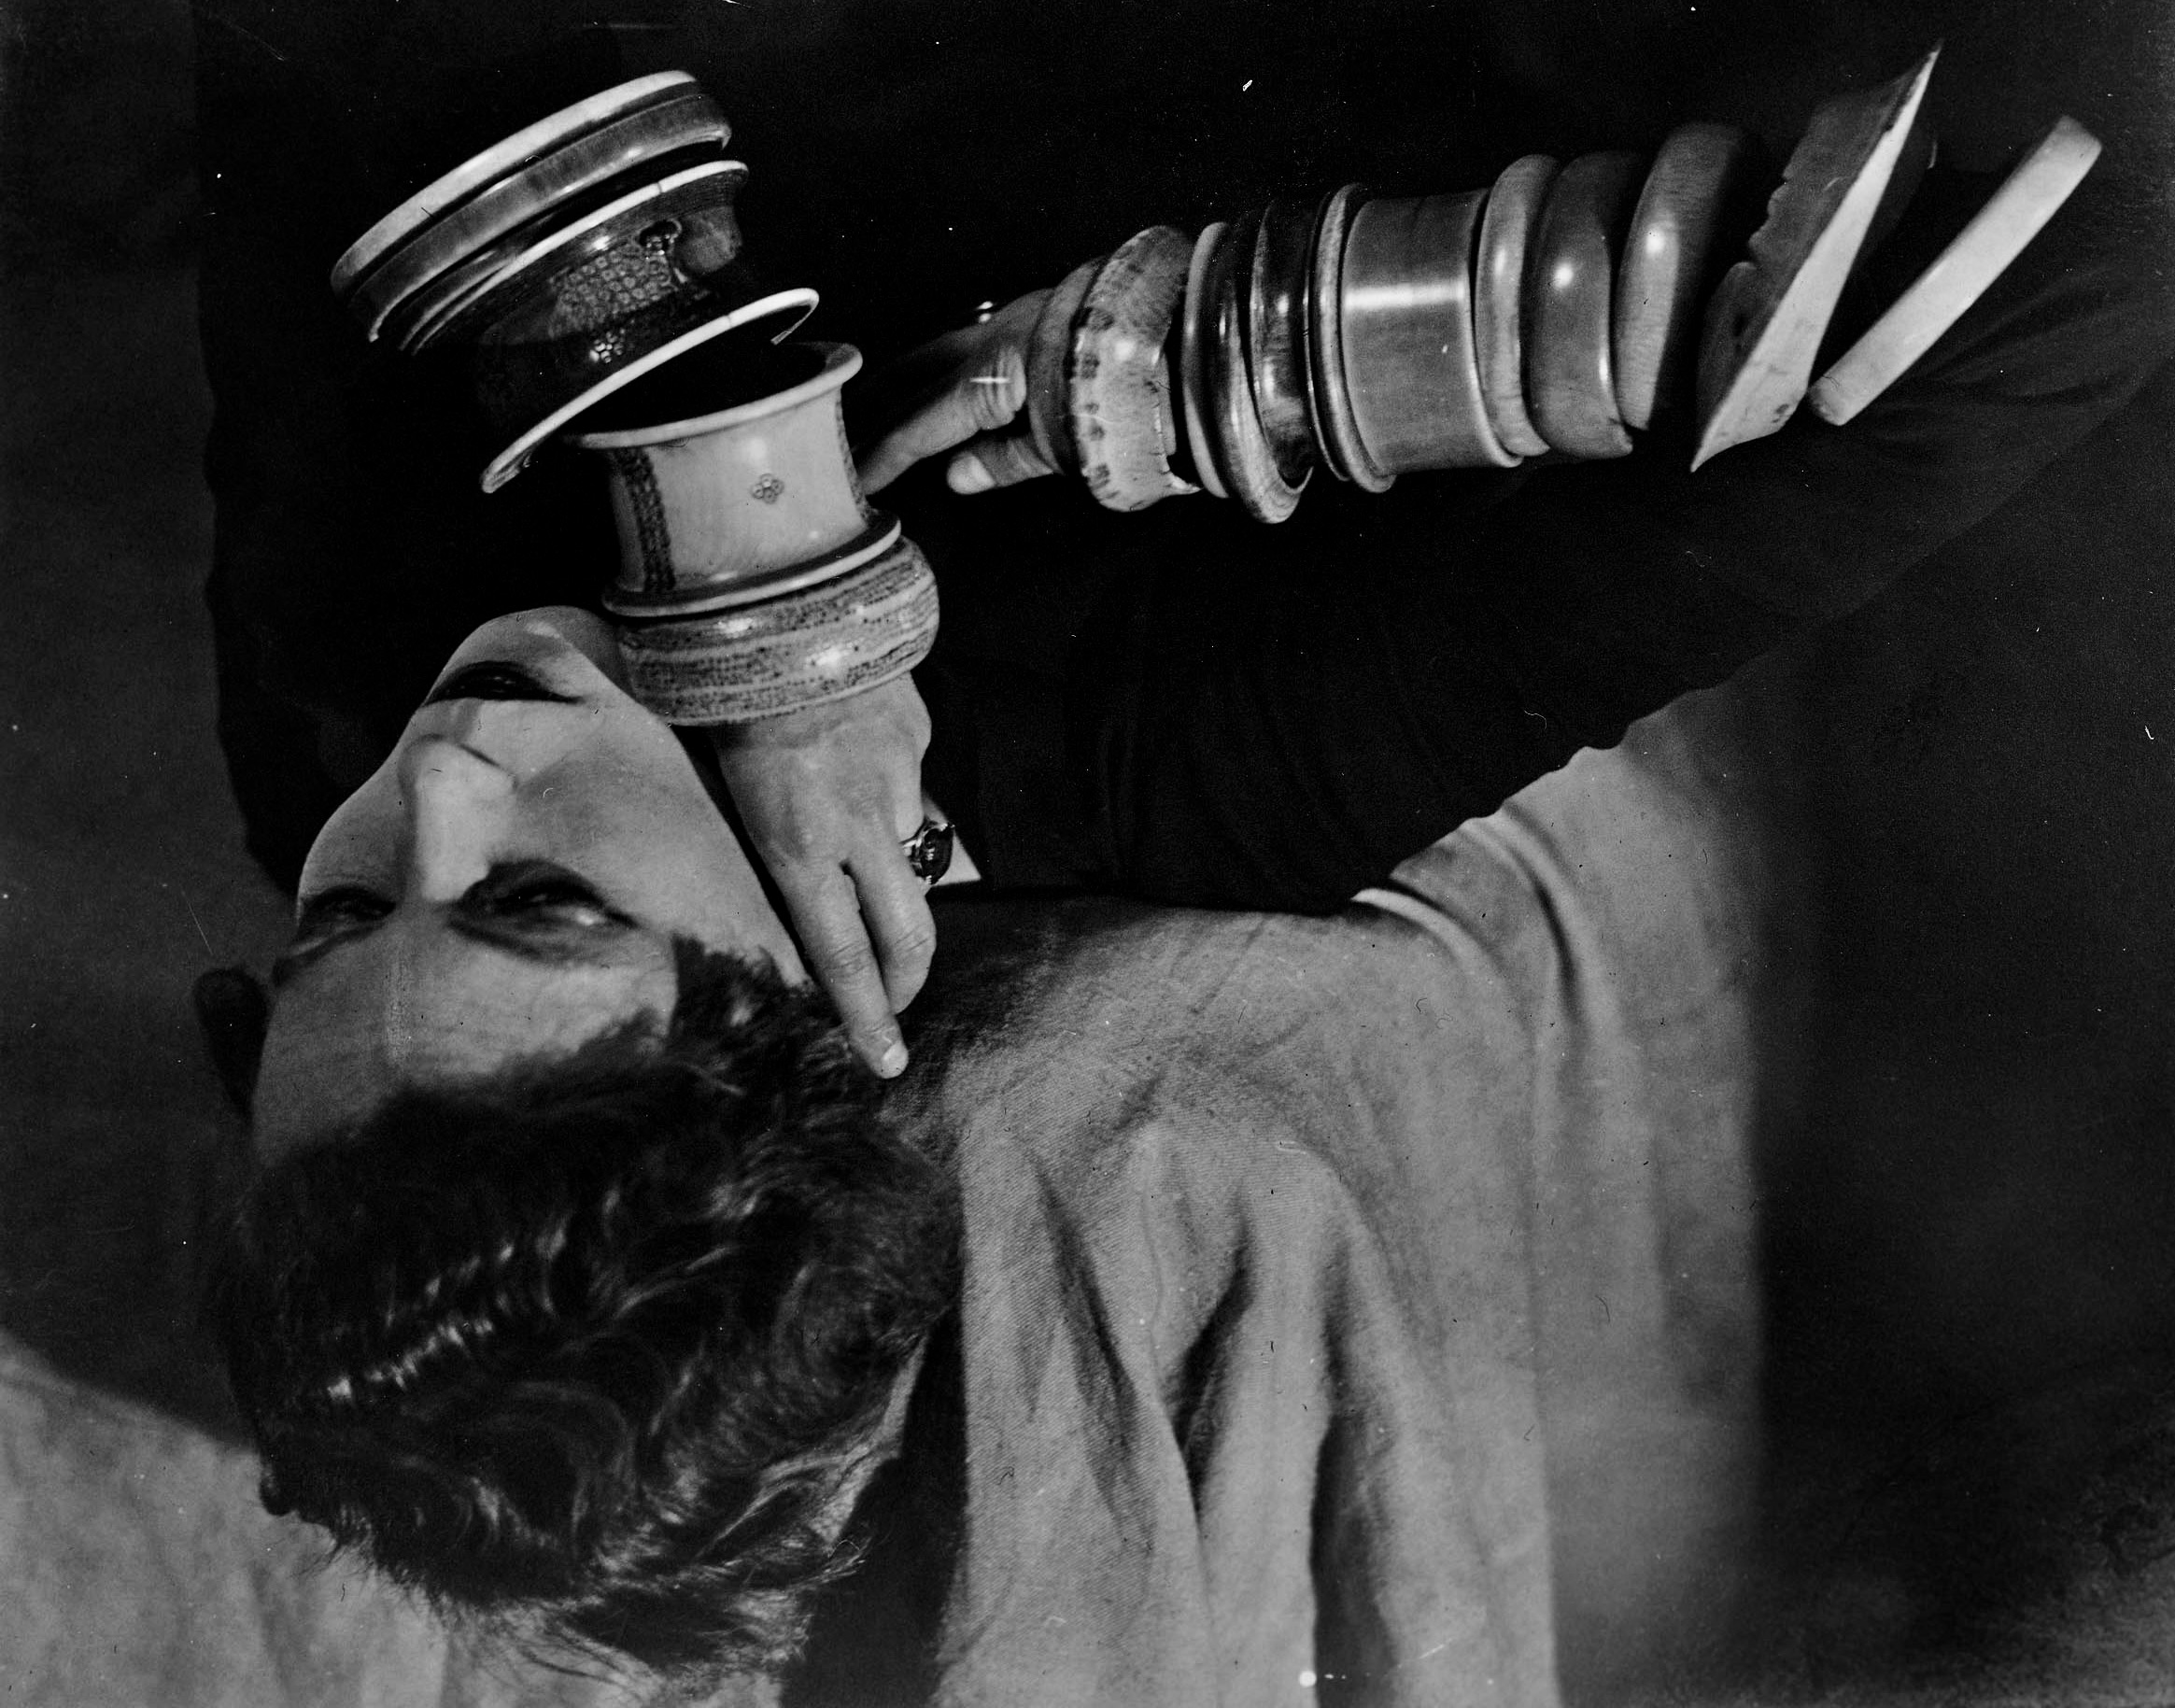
(594, 1350)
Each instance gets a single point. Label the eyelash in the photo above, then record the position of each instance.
(330, 911)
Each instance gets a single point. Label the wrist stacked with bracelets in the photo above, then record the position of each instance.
(589, 269)
(1376, 336)
(1555, 313)
(753, 579)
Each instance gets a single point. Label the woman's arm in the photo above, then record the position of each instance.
(1275, 718)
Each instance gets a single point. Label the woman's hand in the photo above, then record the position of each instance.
(965, 393)
(827, 796)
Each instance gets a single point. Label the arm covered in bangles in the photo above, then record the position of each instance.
(1380, 708)
(1278, 716)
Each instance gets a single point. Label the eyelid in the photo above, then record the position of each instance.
(310, 909)
(496, 679)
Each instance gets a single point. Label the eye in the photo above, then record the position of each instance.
(333, 912)
(533, 890)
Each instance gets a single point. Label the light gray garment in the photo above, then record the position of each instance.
(1355, 1304)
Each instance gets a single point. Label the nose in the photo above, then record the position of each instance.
(457, 801)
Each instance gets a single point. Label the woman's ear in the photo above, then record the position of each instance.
(232, 1009)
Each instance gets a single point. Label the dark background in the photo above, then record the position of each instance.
(1974, 1290)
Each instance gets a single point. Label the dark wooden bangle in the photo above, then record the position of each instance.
(1669, 268)
(1570, 367)
(1277, 356)
(1336, 433)
(1240, 449)
(1499, 273)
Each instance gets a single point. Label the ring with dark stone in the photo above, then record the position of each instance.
(929, 851)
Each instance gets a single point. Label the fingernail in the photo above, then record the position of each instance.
(971, 474)
(893, 1061)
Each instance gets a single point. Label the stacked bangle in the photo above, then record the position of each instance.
(754, 578)
(787, 651)
(1554, 313)
(588, 268)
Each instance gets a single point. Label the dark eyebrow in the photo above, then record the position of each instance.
(495, 679)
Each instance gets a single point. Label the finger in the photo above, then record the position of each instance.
(994, 460)
(827, 911)
(885, 395)
(878, 404)
(895, 907)
(923, 370)
(985, 396)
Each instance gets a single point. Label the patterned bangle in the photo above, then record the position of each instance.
(797, 649)
(1118, 384)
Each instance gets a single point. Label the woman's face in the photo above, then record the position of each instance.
(508, 883)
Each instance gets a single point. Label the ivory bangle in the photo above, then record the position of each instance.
(782, 655)
(680, 124)
(1960, 275)
(1764, 325)
(502, 159)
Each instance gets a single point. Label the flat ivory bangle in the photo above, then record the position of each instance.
(1997, 233)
